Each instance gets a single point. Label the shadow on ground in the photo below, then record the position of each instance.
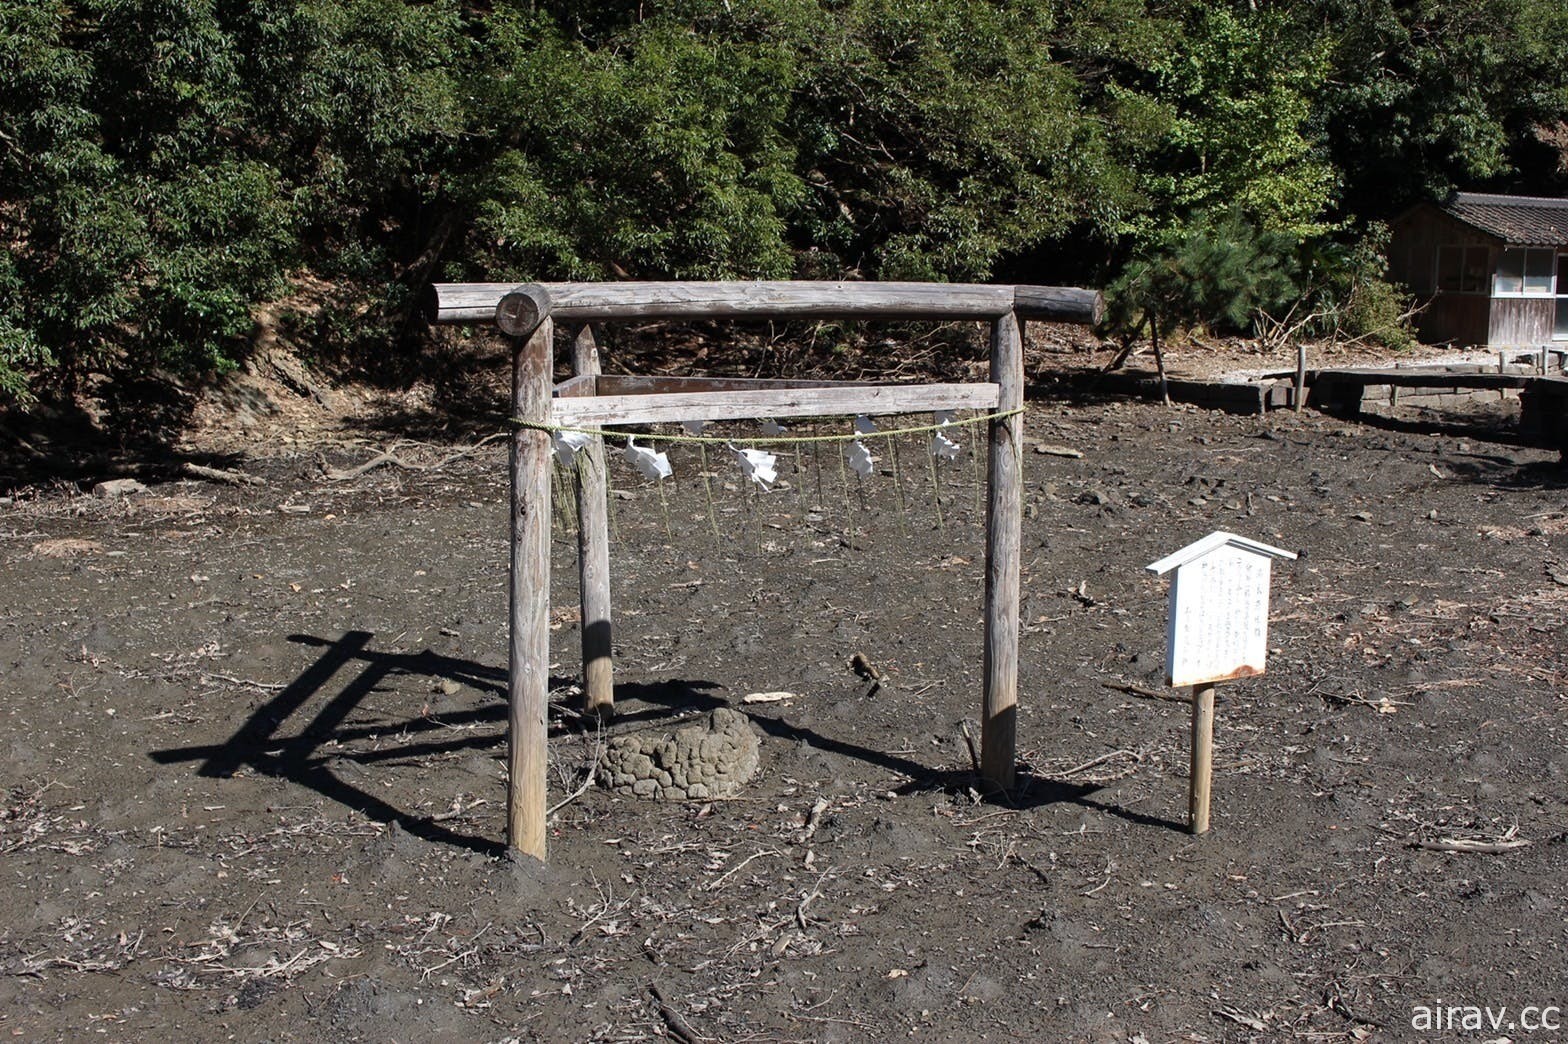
(305, 754)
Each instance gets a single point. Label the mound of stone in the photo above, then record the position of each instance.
(711, 759)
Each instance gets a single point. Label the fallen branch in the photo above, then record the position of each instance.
(714, 884)
(224, 475)
(969, 741)
(1110, 871)
(594, 754)
(680, 1029)
(1241, 1018)
(425, 973)
(761, 697)
(800, 911)
(264, 686)
(814, 818)
(1102, 759)
(587, 782)
(273, 969)
(1383, 705)
(457, 811)
(1467, 845)
(389, 456)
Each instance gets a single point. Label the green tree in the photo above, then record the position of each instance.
(166, 163)
(1242, 89)
(1429, 96)
(908, 140)
(1218, 269)
(169, 166)
(655, 150)
(942, 136)
(134, 225)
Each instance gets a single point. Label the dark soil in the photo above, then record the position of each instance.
(253, 782)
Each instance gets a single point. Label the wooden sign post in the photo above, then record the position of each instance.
(1218, 631)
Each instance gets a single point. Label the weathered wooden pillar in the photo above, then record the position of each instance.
(528, 661)
(593, 551)
(1301, 377)
(1202, 758)
(1004, 522)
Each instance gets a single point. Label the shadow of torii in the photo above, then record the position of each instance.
(1030, 789)
(259, 743)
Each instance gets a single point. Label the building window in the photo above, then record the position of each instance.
(1525, 273)
(1462, 269)
(1539, 269)
(1476, 270)
(1560, 329)
(1450, 259)
(1510, 274)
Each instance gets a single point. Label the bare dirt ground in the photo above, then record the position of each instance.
(252, 778)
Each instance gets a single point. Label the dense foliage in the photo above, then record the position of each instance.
(168, 166)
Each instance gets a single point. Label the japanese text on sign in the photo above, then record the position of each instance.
(1219, 617)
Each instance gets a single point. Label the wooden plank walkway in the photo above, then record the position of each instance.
(1543, 400)
(1427, 377)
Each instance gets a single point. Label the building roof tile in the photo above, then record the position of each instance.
(1521, 220)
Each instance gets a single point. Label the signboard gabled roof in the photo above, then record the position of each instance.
(1522, 220)
(1198, 548)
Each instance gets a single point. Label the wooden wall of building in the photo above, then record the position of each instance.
(1458, 316)
(1521, 321)
(1416, 237)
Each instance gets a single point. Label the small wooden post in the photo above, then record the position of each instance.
(1301, 376)
(1202, 758)
(593, 551)
(1004, 522)
(528, 662)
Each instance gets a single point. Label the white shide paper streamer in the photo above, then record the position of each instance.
(860, 459)
(944, 448)
(652, 465)
(565, 445)
(758, 465)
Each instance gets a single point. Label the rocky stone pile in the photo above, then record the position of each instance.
(712, 759)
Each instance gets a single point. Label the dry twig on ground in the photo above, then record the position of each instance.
(389, 456)
(224, 475)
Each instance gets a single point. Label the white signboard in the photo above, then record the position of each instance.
(1219, 609)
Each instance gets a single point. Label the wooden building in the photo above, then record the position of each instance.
(1494, 269)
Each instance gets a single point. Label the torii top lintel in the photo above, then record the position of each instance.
(741, 299)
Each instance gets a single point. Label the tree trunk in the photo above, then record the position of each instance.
(1159, 360)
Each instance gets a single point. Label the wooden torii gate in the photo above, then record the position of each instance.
(528, 314)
